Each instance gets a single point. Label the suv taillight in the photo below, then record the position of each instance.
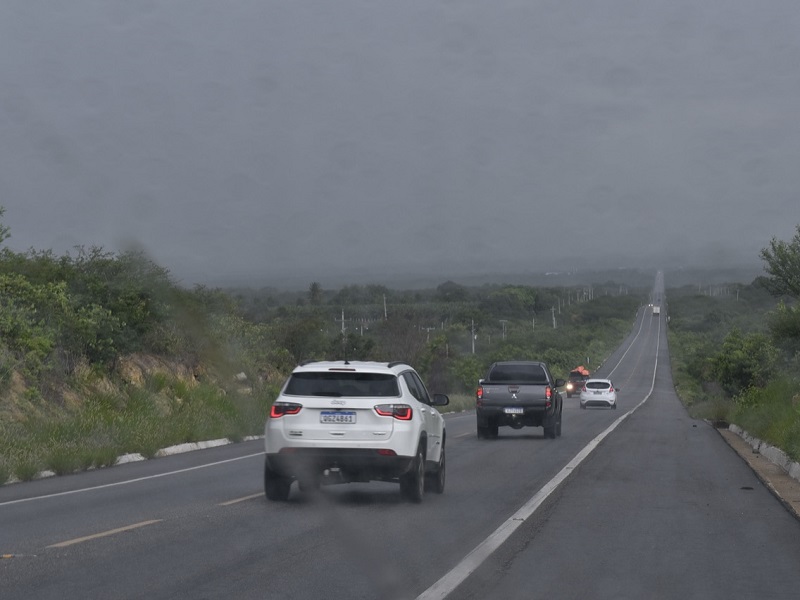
(401, 412)
(284, 408)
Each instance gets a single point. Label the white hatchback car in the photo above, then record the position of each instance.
(340, 422)
(599, 392)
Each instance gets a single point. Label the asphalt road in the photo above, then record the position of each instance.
(660, 508)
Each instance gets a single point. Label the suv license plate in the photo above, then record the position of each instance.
(513, 410)
(339, 417)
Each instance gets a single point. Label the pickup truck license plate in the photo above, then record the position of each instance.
(513, 410)
(339, 417)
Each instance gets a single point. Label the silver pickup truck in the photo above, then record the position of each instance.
(519, 394)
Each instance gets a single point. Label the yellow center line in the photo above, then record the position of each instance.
(104, 534)
(237, 500)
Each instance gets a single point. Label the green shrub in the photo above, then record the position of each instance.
(772, 414)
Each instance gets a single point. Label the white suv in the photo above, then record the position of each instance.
(339, 422)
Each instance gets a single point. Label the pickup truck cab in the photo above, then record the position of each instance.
(518, 394)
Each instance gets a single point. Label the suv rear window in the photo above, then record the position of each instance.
(518, 374)
(338, 384)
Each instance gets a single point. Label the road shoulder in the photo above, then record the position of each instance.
(775, 477)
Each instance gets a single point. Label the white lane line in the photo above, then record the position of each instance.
(244, 499)
(456, 576)
(103, 534)
(127, 481)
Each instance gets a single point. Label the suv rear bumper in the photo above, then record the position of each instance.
(343, 464)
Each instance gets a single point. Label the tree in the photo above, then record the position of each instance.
(450, 291)
(4, 235)
(744, 361)
(783, 266)
(315, 294)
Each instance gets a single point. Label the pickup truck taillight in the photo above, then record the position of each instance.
(548, 392)
(479, 392)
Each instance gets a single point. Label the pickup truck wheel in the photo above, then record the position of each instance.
(276, 487)
(550, 428)
(483, 432)
(412, 484)
(493, 429)
(435, 481)
(558, 426)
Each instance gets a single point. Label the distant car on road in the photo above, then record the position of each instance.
(599, 392)
(347, 421)
(575, 381)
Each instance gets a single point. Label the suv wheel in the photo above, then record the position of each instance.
(276, 487)
(412, 484)
(435, 480)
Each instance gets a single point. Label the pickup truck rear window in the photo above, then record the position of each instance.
(518, 374)
(353, 385)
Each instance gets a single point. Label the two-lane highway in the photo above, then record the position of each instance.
(660, 508)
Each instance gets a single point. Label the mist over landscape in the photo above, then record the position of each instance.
(277, 143)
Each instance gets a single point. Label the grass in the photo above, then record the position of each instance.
(772, 414)
(109, 424)
(459, 402)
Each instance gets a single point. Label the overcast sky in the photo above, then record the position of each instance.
(258, 141)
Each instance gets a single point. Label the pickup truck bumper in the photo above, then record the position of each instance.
(531, 416)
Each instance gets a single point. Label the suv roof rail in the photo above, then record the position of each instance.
(395, 363)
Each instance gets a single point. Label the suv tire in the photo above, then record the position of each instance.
(435, 481)
(276, 487)
(412, 484)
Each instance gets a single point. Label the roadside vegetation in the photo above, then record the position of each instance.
(103, 354)
(736, 349)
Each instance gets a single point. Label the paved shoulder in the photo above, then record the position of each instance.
(773, 476)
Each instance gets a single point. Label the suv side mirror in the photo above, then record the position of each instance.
(440, 400)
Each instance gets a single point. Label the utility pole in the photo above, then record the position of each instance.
(472, 335)
(504, 321)
(344, 336)
(342, 322)
(553, 310)
(385, 314)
